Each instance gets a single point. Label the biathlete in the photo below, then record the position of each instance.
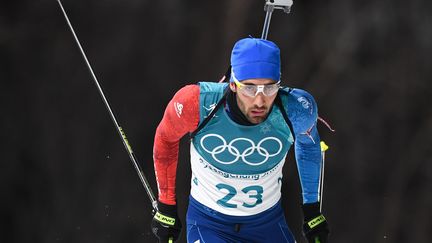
(241, 132)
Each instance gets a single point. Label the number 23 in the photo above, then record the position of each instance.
(232, 192)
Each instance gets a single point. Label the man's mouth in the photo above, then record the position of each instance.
(258, 112)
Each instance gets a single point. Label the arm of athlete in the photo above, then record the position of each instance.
(303, 113)
(308, 158)
(181, 116)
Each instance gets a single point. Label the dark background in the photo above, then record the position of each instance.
(65, 176)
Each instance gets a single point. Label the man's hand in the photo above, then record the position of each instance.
(315, 226)
(165, 224)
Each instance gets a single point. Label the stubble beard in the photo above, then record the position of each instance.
(257, 119)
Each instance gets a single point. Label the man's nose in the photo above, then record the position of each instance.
(259, 100)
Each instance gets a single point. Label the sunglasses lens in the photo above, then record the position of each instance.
(270, 90)
(253, 90)
(249, 90)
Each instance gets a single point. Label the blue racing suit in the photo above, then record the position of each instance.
(237, 169)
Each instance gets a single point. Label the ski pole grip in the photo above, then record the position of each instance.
(323, 146)
(285, 5)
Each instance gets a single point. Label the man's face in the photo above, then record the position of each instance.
(257, 108)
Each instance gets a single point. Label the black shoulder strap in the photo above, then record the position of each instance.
(210, 116)
(279, 103)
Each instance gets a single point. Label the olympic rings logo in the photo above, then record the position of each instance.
(230, 148)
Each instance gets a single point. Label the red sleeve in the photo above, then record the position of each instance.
(181, 116)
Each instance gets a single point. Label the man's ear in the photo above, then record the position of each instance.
(232, 86)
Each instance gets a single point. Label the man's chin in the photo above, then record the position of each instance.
(256, 119)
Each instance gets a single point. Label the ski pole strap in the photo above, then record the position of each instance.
(210, 116)
(165, 219)
(316, 229)
(316, 221)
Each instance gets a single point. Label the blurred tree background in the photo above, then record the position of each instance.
(65, 176)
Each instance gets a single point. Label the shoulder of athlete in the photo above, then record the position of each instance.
(301, 108)
(186, 100)
(181, 114)
(211, 87)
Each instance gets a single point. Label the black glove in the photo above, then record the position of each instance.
(315, 227)
(165, 223)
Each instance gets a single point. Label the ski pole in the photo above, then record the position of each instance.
(271, 5)
(324, 148)
(120, 131)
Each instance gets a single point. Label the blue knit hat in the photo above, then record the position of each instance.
(255, 58)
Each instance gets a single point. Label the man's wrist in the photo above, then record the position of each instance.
(314, 222)
(167, 209)
(311, 210)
